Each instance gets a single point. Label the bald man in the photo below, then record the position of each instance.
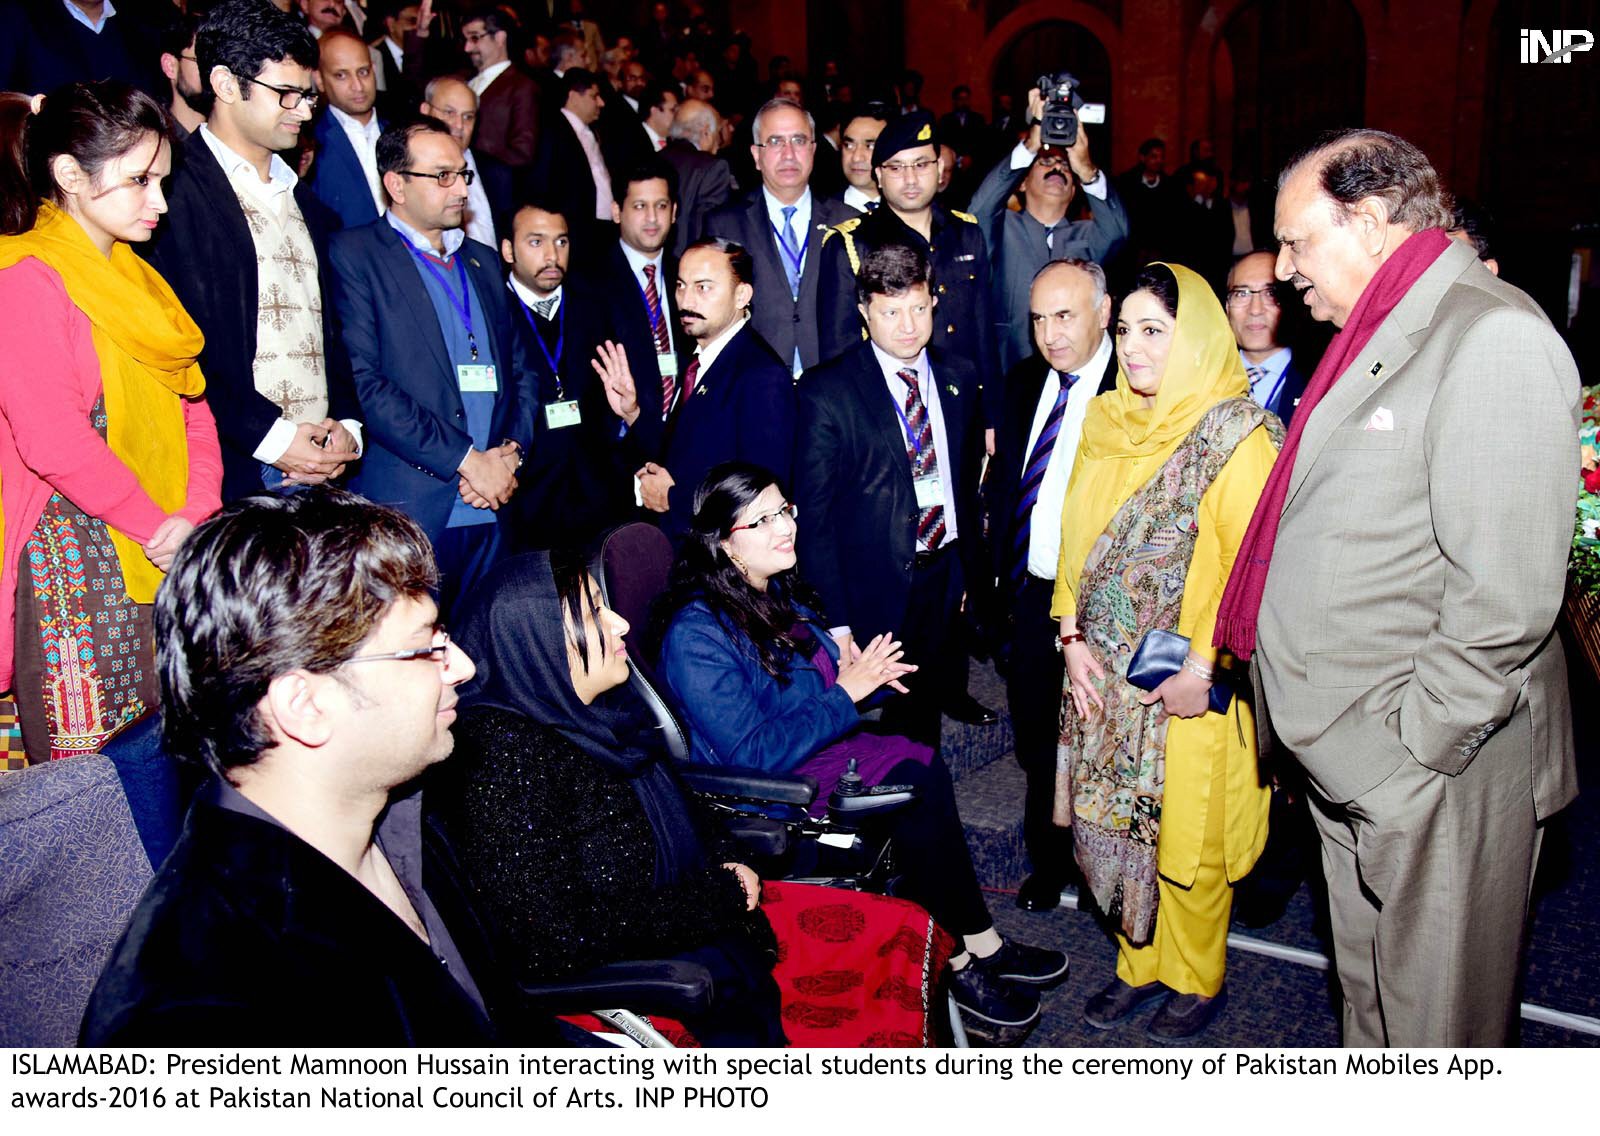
(704, 180)
(345, 177)
(452, 102)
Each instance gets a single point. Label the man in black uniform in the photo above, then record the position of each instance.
(905, 161)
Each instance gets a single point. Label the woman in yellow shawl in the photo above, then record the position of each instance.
(1167, 806)
(108, 454)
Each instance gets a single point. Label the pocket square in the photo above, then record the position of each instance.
(1382, 419)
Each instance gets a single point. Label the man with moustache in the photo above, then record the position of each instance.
(322, 16)
(449, 392)
(345, 175)
(1047, 396)
(1022, 241)
(780, 225)
(736, 402)
(574, 490)
(244, 249)
(1399, 585)
(452, 102)
(1252, 302)
(508, 111)
(859, 135)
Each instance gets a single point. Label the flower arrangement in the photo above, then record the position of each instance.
(1585, 563)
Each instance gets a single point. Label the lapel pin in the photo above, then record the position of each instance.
(950, 387)
(472, 260)
(1377, 369)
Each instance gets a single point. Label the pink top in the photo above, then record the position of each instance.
(49, 382)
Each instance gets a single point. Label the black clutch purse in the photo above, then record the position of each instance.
(1160, 655)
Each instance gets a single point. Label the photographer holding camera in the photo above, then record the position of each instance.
(1050, 164)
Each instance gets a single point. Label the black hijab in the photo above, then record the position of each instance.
(514, 630)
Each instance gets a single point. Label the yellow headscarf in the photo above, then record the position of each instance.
(147, 346)
(1203, 369)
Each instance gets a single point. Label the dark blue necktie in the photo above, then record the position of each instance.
(1033, 478)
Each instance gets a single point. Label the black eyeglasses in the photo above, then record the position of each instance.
(289, 98)
(439, 652)
(445, 178)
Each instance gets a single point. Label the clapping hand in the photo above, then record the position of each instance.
(861, 672)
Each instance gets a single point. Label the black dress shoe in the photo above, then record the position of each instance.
(1031, 966)
(984, 996)
(1118, 1002)
(1186, 1016)
(1038, 893)
(969, 710)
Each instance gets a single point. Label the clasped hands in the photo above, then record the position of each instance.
(488, 477)
(319, 452)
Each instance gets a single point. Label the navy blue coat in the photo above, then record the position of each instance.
(416, 426)
(742, 409)
(337, 179)
(738, 714)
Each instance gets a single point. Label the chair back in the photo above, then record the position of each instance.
(632, 566)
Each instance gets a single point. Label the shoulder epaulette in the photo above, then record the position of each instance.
(960, 216)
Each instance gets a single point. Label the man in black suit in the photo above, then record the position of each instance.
(573, 488)
(781, 225)
(243, 246)
(636, 277)
(704, 180)
(45, 44)
(447, 390)
(887, 453)
(736, 401)
(1047, 395)
(1253, 300)
(305, 897)
(571, 170)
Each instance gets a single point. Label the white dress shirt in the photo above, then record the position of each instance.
(708, 354)
(636, 261)
(927, 383)
(480, 82)
(802, 220)
(1269, 387)
(479, 220)
(364, 141)
(656, 140)
(1044, 533)
(597, 165)
(531, 298)
(857, 199)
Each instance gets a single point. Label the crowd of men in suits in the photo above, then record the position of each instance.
(525, 282)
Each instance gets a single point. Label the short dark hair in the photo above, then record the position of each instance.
(543, 205)
(1479, 226)
(1159, 281)
(650, 168)
(93, 123)
(576, 79)
(175, 39)
(1358, 163)
(739, 259)
(654, 95)
(494, 20)
(267, 586)
(394, 144)
(246, 35)
(959, 87)
(890, 271)
(1151, 144)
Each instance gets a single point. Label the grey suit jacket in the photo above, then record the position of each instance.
(783, 321)
(1421, 560)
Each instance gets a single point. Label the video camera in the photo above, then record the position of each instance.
(1064, 109)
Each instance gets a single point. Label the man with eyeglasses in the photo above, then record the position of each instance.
(452, 102)
(243, 246)
(345, 175)
(186, 97)
(447, 388)
(1023, 241)
(781, 225)
(308, 679)
(508, 111)
(1252, 302)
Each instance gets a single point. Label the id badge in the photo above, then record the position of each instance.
(930, 491)
(560, 414)
(668, 362)
(476, 377)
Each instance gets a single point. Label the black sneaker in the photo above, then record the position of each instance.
(1018, 962)
(982, 995)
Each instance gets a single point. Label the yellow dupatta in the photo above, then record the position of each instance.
(147, 345)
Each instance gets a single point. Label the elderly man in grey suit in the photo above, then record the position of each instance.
(1406, 653)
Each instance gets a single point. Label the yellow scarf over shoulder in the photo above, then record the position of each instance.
(147, 346)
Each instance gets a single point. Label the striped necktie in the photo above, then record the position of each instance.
(924, 460)
(1033, 477)
(658, 332)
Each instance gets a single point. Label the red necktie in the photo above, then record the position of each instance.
(658, 332)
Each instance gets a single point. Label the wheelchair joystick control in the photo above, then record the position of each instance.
(850, 784)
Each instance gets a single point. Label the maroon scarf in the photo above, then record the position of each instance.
(1241, 601)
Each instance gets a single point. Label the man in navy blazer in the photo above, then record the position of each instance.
(781, 225)
(447, 391)
(1253, 300)
(886, 479)
(345, 174)
(736, 401)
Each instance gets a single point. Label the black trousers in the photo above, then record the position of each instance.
(1033, 692)
(930, 850)
(931, 642)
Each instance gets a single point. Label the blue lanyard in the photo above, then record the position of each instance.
(1266, 403)
(912, 443)
(463, 305)
(561, 339)
(798, 262)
